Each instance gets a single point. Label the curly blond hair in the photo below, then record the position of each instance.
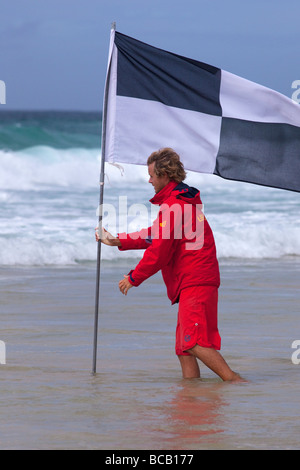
(167, 161)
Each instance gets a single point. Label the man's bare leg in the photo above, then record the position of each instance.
(214, 361)
(190, 367)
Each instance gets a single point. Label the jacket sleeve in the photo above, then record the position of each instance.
(135, 240)
(162, 248)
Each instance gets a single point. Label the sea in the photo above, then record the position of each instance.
(49, 198)
(49, 194)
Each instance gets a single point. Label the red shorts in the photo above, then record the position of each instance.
(197, 319)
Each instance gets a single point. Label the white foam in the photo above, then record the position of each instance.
(47, 167)
(49, 198)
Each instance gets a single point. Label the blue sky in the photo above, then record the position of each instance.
(54, 52)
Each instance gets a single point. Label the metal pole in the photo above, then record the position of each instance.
(102, 175)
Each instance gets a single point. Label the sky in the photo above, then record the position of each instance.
(54, 52)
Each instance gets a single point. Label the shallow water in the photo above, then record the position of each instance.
(138, 400)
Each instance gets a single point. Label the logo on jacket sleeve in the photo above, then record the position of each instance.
(201, 218)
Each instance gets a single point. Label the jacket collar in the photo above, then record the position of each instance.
(164, 193)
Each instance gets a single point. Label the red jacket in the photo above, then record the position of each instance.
(180, 243)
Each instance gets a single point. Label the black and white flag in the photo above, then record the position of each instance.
(217, 122)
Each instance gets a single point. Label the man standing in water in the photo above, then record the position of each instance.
(180, 243)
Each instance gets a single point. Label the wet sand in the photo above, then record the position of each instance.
(138, 400)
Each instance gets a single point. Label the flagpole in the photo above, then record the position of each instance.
(100, 216)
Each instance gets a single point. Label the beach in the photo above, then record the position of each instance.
(49, 192)
(137, 399)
